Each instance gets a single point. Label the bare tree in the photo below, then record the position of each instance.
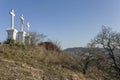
(110, 41)
(87, 59)
(90, 57)
(36, 38)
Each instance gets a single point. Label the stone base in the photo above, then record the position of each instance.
(21, 37)
(12, 33)
(27, 40)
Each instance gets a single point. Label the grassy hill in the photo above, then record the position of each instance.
(37, 63)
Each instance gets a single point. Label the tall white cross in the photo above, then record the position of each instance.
(28, 28)
(12, 18)
(22, 22)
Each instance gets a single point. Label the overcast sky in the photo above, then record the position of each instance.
(72, 22)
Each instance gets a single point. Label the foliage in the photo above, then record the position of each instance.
(11, 42)
(48, 45)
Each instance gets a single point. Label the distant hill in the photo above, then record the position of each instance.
(84, 50)
(76, 49)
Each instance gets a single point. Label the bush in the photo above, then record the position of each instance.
(49, 46)
(11, 42)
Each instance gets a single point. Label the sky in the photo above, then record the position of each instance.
(73, 23)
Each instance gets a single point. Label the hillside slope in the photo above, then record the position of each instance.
(34, 64)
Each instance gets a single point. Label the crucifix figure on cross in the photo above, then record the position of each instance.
(28, 28)
(22, 22)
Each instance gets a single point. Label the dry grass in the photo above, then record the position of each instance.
(37, 63)
(34, 63)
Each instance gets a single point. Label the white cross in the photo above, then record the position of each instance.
(12, 18)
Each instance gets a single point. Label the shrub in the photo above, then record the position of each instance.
(11, 42)
(49, 46)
